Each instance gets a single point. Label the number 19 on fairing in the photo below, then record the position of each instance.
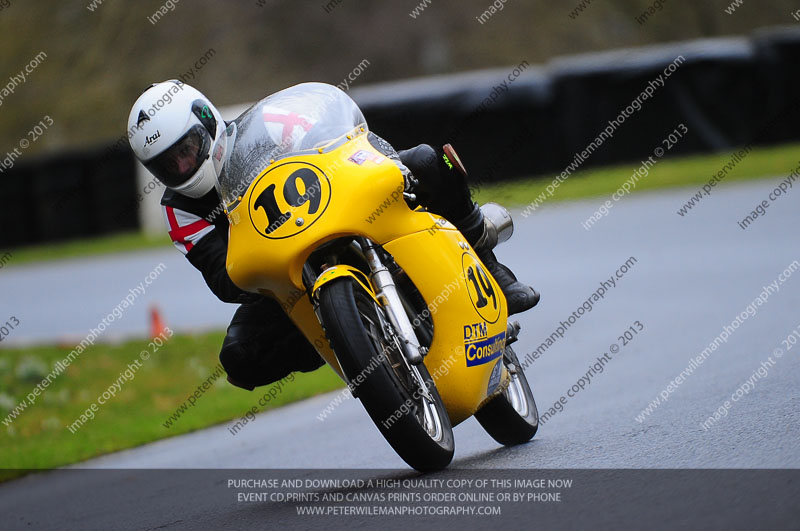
(482, 286)
(267, 200)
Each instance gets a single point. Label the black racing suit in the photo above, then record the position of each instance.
(263, 345)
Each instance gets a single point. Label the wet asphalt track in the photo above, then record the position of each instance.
(692, 276)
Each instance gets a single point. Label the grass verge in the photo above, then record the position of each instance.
(668, 173)
(128, 241)
(39, 437)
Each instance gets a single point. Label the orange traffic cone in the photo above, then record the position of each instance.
(157, 326)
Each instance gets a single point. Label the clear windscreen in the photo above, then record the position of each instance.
(299, 119)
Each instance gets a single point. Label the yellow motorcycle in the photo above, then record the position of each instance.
(392, 297)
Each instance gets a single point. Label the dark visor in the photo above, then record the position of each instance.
(180, 161)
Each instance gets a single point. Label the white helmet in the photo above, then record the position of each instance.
(173, 130)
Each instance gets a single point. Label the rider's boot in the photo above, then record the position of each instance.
(520, 297)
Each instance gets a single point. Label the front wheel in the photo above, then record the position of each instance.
(511, 417)
(401, 398)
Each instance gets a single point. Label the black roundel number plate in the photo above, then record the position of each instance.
(288, 199)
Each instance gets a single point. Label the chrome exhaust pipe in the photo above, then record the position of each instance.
(498, 222)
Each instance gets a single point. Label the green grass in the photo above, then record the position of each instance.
(668, 173)
(129, 241)
(39, 438)
(595, 182)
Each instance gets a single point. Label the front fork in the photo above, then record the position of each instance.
(391, 302)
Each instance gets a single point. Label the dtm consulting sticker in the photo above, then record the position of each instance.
(480, 349)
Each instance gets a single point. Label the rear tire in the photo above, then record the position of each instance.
(511, 417)
(401, 399)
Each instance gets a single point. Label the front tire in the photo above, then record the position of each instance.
(511, 417)
(401, 399)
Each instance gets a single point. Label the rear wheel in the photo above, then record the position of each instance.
(401, 398)
(511, 417)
